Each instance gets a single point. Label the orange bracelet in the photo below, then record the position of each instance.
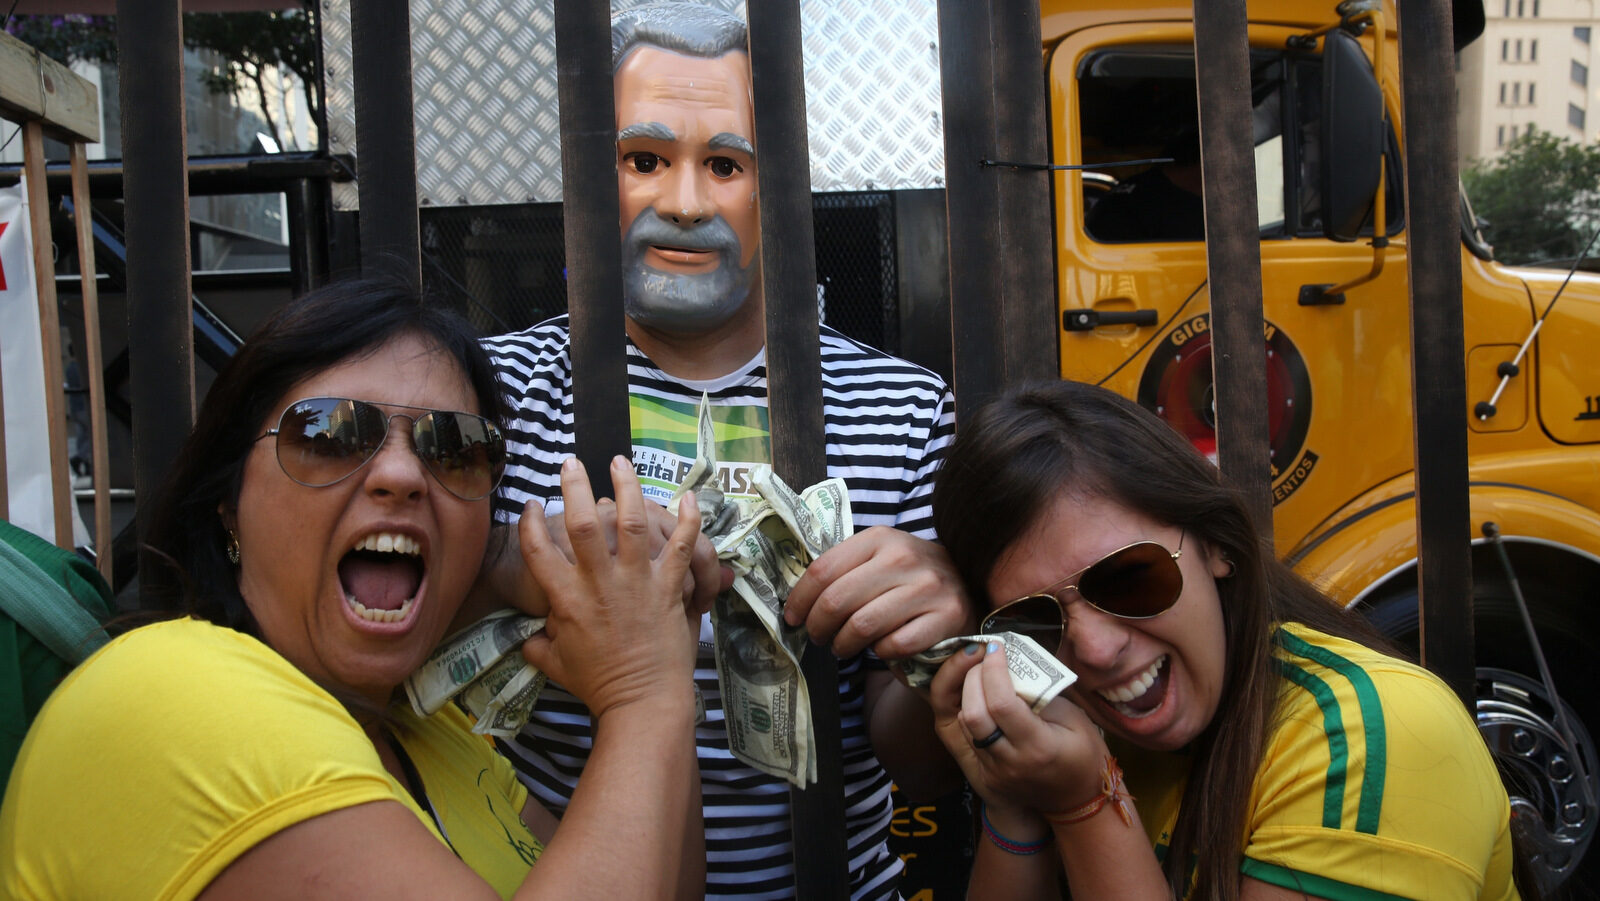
(1113, 791)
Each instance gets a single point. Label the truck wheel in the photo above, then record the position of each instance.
(1554, 816)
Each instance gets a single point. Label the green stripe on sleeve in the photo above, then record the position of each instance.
(1376, 767)
(1333, 726)
(1308, 884)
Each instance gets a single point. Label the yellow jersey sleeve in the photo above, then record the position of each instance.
(1375, 783)
(168, 754)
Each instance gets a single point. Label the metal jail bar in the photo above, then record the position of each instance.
(386, 165)
(1002, 274)
(594, 255)
(794, 397)
(156, 191)
(1438, 364)
(1233, 251)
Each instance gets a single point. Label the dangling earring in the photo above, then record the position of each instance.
(233, 548)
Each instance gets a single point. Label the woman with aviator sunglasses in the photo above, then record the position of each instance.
(1233, 734)
(321, 527)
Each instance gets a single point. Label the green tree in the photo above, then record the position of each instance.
(247, 43)
(1541, 197)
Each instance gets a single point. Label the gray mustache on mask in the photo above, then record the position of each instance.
(649, 228)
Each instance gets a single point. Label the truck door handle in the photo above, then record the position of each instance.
(1087, 320)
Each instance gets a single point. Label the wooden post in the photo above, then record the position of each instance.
(1030, 338)
(44, 273)
(972, 202)
(598, 326)
(39, 92)
(794, 399)
(1004, 329)
(1233, 251)
(386, 142)
(156, 208)
(101, 457)
(1438, 362)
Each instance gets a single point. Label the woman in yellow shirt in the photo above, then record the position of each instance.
(323, 525)
(1273, 753)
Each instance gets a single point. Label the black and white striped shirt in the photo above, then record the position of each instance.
(887, 424)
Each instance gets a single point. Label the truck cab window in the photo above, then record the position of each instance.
(1140, 104)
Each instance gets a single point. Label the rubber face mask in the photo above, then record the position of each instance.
(676, 301)
(686, 172)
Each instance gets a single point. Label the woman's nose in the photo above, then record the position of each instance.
(396, 469)
(1093, 639)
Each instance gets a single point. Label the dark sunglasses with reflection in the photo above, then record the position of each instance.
(1139, 581)
(324, 440)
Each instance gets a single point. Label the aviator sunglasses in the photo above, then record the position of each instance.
(324, 440)
(1139, 581)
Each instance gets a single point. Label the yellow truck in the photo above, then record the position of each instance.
(1132, 293)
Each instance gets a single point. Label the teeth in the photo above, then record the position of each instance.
(1135, 687)
(379, 616)
(389, 543)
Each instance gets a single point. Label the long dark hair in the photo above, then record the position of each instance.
(1016, 456)
(342, 321)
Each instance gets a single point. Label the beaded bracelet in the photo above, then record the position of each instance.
(1021, 849)
(1113, 792)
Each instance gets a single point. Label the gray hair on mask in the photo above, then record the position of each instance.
(687, 28)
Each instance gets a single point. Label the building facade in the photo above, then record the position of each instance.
(1534, 67)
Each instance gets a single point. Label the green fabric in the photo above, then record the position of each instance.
(1376, 767)
(1338, 751)
(1315, 886)
(29, 669)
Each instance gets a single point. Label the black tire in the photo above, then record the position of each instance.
(1556, 818)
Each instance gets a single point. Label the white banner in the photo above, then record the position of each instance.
(22, 355)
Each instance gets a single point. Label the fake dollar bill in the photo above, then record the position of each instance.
(1036, 674)
(485, 661)
(767, 543)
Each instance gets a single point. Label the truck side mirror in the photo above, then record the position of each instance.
(1352, 137)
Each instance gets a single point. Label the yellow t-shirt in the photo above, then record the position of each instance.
(181, 745)
(1375, 783)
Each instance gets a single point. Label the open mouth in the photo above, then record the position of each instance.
(1141, 695)
(380, 576)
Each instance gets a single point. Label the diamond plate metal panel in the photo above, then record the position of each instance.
(488, 131)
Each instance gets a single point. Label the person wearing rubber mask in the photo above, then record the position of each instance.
(692, 289)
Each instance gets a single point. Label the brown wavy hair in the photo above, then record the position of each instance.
(1016, 456)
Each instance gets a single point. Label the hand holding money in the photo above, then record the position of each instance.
(484, 664)
(485, 655)
(1036, 674)
(768, 543)
(1021, 749)
(617, 634)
